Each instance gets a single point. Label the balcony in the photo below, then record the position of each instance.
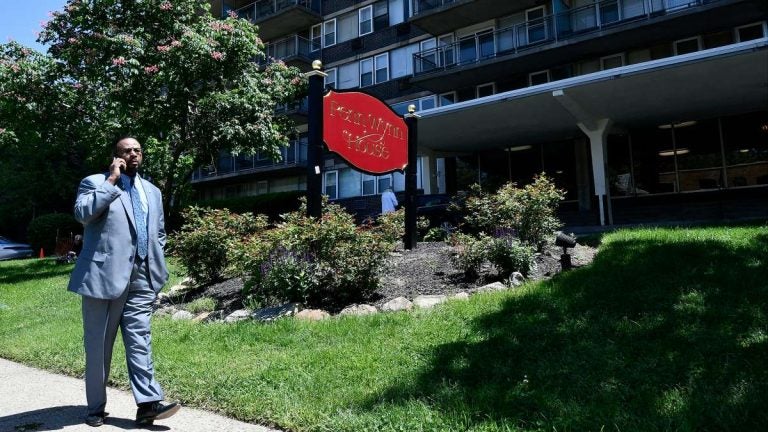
(294, 159)
(557, 39)
(294, 51)
(297, 110)
(443, 16)
(281, 17)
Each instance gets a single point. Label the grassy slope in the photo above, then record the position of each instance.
(667, 330)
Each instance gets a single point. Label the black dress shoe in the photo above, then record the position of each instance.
(151, 411)
(96, 419)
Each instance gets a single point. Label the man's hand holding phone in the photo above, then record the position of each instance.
(116, 168)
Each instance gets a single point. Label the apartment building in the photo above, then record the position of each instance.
(634, 107)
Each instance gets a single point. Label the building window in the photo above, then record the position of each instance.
(331, 184)
(365, 20)
(484, 90)
(316, 35)
(369, 184)
(535, 25)
(384, 182)
(686, 46)
(611, 62)
(366, 72)
(749, 32)
(447, 98)
(382, 67)
(537, 78)
(330, 79)
(329, 33)
(262, 187)
(426, 103)
(380, 15)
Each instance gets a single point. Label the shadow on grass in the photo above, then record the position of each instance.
(12, 272)
(652, 336)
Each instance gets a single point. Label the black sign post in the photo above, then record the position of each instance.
(315, 137)
(411, 238)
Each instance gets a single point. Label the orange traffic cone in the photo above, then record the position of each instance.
(42, 255)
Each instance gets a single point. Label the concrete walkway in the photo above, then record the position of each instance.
(35, 400)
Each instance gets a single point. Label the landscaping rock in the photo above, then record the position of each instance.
(167, 310)
(496, 286)
(275, 312)
(237, 315)
(429, 301)
(463, 295)
(202, 317)
(516, 279)
(182, 315)
(397, 304)
(363, 309)
(313, 315)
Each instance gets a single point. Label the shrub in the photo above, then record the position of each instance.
(326, 262)
(471, 252)
(530, 210)
(204, 241)
(47, 230)
(203, 304)
(509, 255)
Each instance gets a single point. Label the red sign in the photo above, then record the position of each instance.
(365, 132)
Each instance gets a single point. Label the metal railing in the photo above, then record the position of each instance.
(261, 9)
(545, 30)
(229, 165)
(292, 46)
(299, 107)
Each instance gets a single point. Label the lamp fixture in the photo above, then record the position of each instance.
(678, 125)
(670, 152)
(519, 148)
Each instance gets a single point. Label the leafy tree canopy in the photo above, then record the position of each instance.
(182, 81)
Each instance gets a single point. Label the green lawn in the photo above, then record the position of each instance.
(666, 331)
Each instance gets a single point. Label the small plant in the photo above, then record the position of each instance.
(203, 245)
(287, 276)
(509, 255)
(203, 304)
(471, 252)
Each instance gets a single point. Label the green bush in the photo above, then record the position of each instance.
(471, 252)
(204, 241)
(529, 210)
(203, 304)
(327, 262)
(44, 231)
(509, 255)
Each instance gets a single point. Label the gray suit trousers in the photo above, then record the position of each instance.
(101, 318)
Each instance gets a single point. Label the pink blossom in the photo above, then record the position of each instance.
(43, 24)
(26, 51)
(77, 86)
(166, 5)
(118, 61)
(295, 81)
(175, 43)
(72, 40)
(151, 69)
(217, 55)
(2, 130)
(233, 14)
(163, 48)
(15, 67)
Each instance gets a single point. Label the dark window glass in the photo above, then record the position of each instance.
(745, 139)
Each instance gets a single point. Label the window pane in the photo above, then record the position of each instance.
(699, 160)
(366, 20)
(382, 68)
(746, 149)
(447, 99)
(427, 102)
(384, 183)
(687, 46)
(484, 90)
(369, 185)
(750, 33)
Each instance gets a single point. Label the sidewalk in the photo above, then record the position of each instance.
(35, 400)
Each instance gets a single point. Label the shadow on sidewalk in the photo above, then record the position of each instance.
(59, 417)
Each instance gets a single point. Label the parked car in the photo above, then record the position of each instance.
(11, 250)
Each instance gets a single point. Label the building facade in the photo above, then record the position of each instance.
(634, 107)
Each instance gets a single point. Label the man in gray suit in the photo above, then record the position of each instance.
(119, 272)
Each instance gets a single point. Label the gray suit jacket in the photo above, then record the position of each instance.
(104, 266)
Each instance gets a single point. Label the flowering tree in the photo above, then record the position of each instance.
(181, 80)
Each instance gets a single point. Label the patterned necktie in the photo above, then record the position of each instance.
(140, 216)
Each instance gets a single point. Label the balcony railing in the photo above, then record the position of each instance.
(262, 9)
(290, 47)
(228, 165)
(546, 30)
(299, 107)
